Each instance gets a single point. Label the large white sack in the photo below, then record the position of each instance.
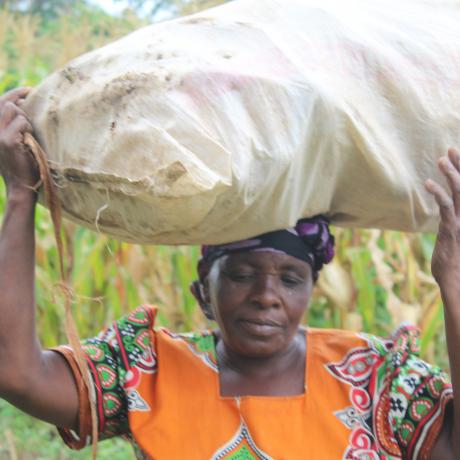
(246, 117)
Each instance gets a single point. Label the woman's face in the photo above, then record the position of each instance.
(258, 299)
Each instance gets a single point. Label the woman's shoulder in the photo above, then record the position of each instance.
(141, 326)
(404, 339)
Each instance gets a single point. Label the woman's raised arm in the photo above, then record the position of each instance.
(36, 381)
(445, 266)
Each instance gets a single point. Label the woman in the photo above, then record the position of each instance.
(260, 386)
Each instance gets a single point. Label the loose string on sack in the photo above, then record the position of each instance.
(54, 205)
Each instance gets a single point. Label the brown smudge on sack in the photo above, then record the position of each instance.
(71, 74)
(172, 173)
(198, 20)
(122, 86)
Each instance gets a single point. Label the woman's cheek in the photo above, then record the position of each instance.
(233, 291)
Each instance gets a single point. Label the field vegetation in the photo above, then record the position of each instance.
(377, 280)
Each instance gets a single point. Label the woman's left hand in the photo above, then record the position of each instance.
(445, 263)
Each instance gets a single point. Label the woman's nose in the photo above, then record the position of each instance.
(265, 291)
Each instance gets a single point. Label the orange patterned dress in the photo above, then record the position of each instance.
(365, 398)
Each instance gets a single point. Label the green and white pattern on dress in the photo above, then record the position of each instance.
(241, 447)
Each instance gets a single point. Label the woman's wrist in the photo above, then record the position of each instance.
(21, 195)
(450, 295)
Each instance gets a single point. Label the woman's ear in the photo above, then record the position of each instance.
(200, 292)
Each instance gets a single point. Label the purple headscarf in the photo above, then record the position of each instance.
(310, 240)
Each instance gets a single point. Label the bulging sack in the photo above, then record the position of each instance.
(248, 116)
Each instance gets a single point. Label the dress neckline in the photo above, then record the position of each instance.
(308, 359)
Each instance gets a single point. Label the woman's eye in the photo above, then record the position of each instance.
(290, 280)
(241, 276)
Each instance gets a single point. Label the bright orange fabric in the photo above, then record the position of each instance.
(282, 427)
(175, 410)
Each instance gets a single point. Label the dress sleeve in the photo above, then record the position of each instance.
(111, 356)
(418, 396)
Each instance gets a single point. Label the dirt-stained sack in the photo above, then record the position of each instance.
(248, 116)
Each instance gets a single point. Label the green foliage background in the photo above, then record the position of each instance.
(377, 280)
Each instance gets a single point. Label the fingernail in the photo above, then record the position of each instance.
(446, 160)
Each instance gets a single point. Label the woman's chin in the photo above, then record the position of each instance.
(260, 345)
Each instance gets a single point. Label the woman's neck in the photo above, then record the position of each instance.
(279, 374)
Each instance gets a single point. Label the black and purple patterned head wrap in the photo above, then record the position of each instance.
(310, 240)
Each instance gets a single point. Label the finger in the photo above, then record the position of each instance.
(13, 135)
(448, 167)
(20, 103)
(443, 200)
(14, 95)
(454, 156)
(19, 125)
(7, 114)
(18, 109)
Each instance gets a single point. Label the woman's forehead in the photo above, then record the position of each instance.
(261, 258)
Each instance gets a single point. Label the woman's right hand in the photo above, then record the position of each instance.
(17, 166)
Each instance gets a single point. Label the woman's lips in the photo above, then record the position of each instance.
(260, 327)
